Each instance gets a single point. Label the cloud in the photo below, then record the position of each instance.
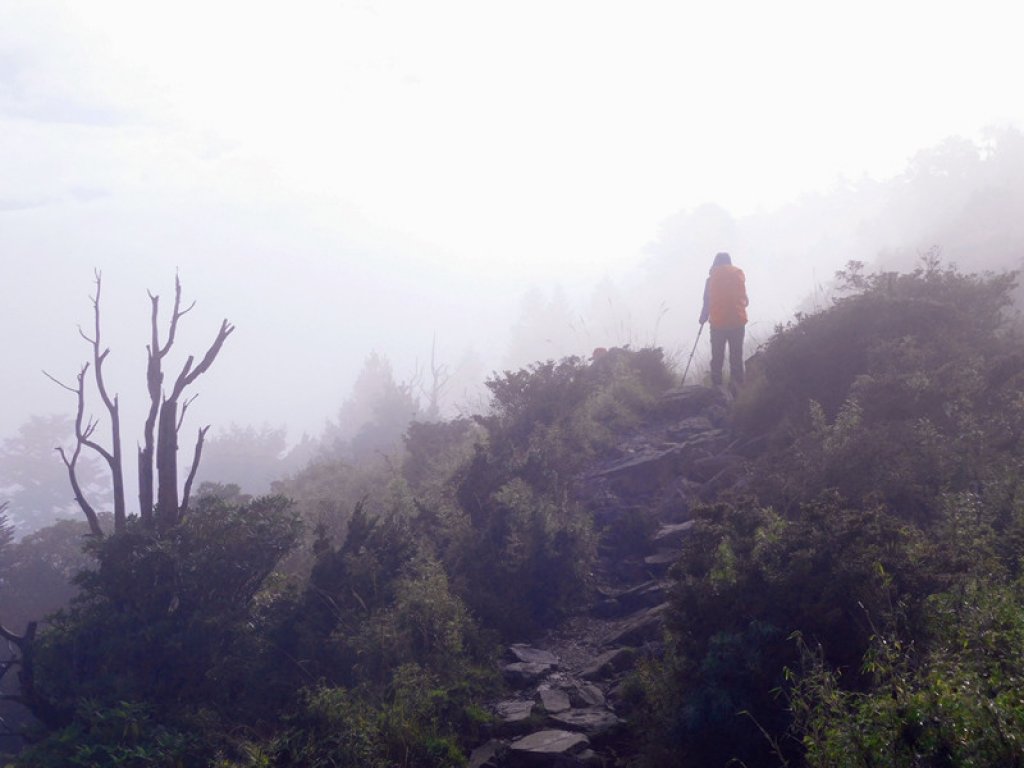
(14, 204)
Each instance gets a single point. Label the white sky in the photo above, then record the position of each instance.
(287, 154)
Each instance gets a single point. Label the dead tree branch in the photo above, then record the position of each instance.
(168, 510)
(187, 492)
(113, 456)
(83, 435)
(163, 422)
(439, 380)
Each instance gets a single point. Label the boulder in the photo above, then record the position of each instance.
(487, 755)
(586, 695)
(553, 700)
(513, 710)
(546, 748)
(644, 627)
(594, 721)
(623, 602)
(661, 560)
(523, 673)
(529, 655)
(643, 473)
(671, 536)
(608, 663)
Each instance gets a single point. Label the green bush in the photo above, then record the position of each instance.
(522, 553)
(125, 735)
(950, 698)
(173, 624)
(893, 480)
(747, 579)
(923, 332)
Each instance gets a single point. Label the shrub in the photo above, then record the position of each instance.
(747, 579)
(522, 553)
(173, 624)
(950, 698)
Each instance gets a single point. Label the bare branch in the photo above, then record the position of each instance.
(163, 421)
(76, 488)
(113, 456)
(90, 428)
(176, 315)
(184, 407)
(226, 329)
(82, 437)
(60, 383)
(182, 380)
(187, 492)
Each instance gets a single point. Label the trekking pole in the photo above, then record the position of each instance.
(699, 332)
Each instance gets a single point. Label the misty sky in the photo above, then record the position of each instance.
(341, 177)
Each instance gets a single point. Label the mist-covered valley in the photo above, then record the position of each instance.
(299, 378)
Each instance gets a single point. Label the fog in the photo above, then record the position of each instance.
(489, 184)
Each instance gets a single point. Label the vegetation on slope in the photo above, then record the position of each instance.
(357, 626)
(856, 601)
(860, 604)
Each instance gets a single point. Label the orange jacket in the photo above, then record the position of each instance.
(725, 298)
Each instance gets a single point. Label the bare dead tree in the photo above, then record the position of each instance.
(439, 380)
(196, 457)
(160, 435)
(154, 383)
(161, 427)
(83, 433)
(168, 510)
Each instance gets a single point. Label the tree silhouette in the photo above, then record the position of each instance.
(160, 432)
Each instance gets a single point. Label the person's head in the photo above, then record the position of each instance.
(722, 258)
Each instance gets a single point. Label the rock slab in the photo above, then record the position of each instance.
(529, 655)
(553, 700)
(549, 743)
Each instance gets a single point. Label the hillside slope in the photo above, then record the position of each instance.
(604, 570)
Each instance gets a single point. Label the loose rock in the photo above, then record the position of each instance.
(528, 655)
(514, 710)
(608, 663)
(644, 627)
(593, 722)
(486, 755)
(553, 700)
(673, 535)
(541, 747)
(586, 695)
(522, 673)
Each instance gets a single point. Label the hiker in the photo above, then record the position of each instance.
(725, 306)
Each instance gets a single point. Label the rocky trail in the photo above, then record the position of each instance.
(569, 704)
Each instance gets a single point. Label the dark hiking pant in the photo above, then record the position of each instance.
(734, 338)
